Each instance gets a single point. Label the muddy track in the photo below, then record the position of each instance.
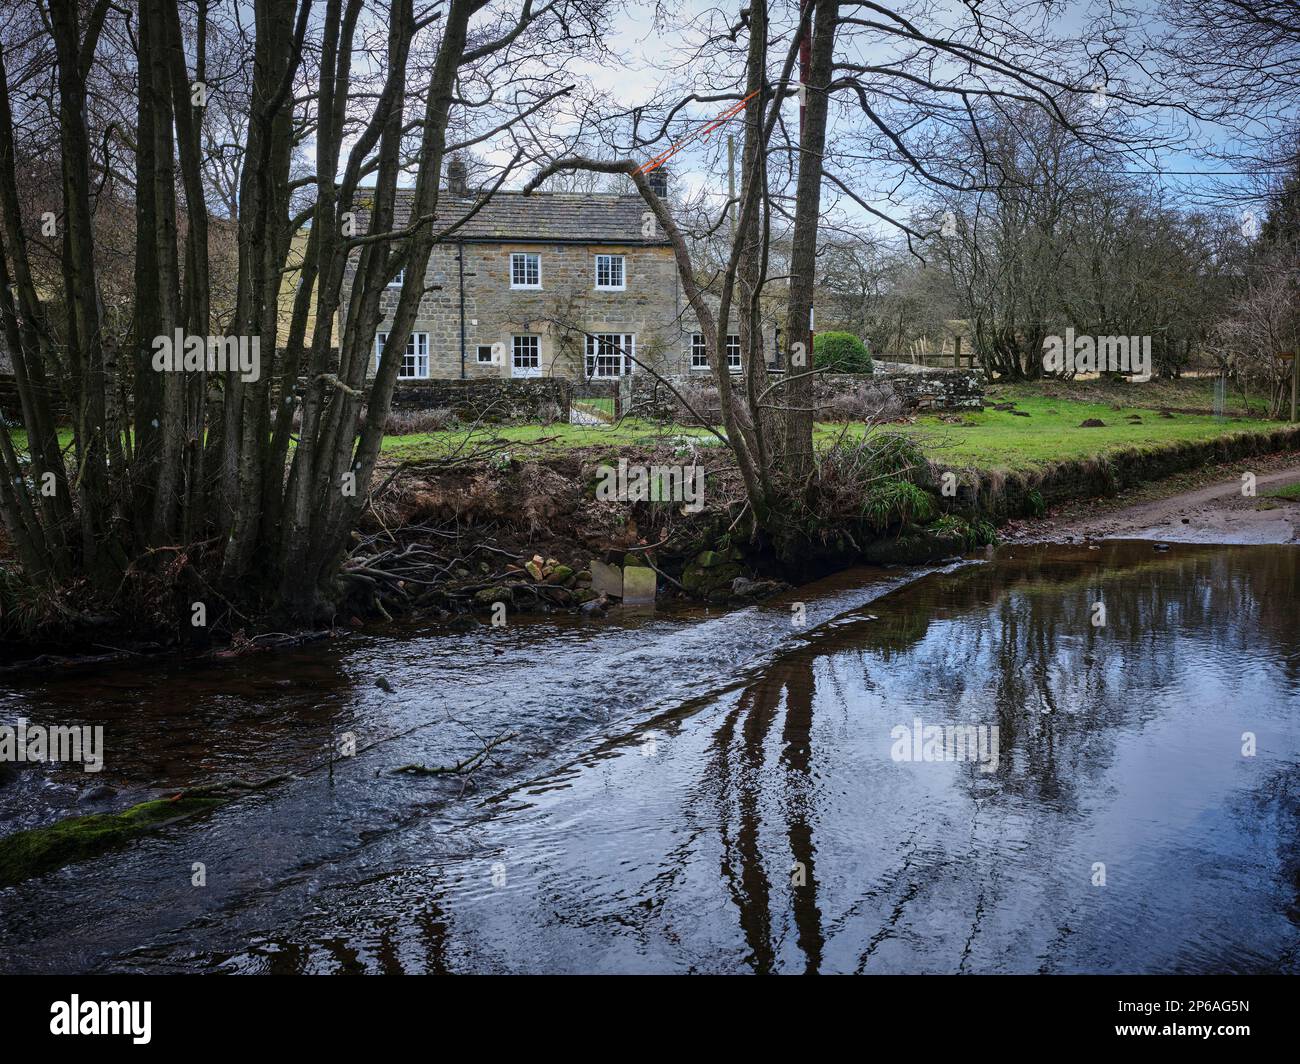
(1213, 513)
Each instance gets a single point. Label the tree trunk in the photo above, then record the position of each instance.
(807, 215)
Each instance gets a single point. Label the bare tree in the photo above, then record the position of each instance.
(1261, 325)
(865, 131)
(202, 482)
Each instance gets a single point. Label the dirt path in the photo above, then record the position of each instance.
(1213, 513)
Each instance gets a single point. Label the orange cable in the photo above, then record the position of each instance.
(726, 116)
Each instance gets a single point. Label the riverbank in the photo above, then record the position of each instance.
(491, 534)
(1203, 506)
(536, 535)
(489, 530)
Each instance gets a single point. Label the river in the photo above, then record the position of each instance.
(718, 791)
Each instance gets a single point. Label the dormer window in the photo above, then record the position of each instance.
(525, 270)
(610, 273)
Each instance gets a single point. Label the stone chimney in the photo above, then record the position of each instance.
(456, 177)
(657, 179)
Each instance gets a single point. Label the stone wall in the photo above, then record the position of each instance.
(495, 401)
(924, 388)
(911, 388)
(491, 401)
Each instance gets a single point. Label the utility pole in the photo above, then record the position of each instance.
(1295, 383)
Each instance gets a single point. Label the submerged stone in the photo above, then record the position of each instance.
(606, 579)
(639, 585)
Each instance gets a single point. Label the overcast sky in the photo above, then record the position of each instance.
(651, 56)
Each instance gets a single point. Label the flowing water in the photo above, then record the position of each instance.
(719, 792)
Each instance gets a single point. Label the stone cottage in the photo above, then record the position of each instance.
(572, 285)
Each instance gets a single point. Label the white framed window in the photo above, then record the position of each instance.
(415, 363)
(733, 352)
(396, 282)
(526, 356)
(611, 274)
(610, 354)
(700, 356)
(483, 353)
(699, 352)
(525, 270)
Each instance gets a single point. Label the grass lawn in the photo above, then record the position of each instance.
(989, 439)
(536, 439)
(1291, 492)
(1195, 394)
(531, 438)
(993, 439)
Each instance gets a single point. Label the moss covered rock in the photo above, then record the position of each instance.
(560, 574)
(712, 571)
(30, 853)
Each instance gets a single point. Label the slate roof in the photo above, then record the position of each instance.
(543, 218)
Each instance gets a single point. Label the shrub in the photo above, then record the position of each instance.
(415, 422)
(892, 503)
(841, 352)
(702, 395)
(26, 607)
(874, 478)
(861, 401)
(973, 534)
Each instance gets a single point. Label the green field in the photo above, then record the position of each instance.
(536, 439)
(999, 439)
(530, 438)
(1192, 394)
(987, 439)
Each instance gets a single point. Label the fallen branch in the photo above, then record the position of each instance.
(467, 765)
